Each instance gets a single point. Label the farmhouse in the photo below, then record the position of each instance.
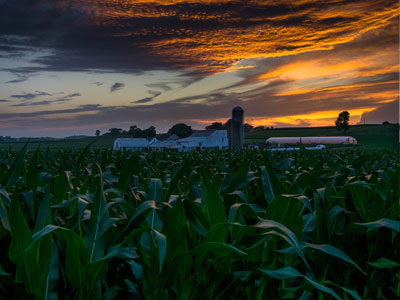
(202, 139)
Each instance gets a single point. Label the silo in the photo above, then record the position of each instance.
(228, 129)
(237, 129)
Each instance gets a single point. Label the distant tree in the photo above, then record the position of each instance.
(259, 128)
(97, 132)
(342, 121)
(248, 127)
(149, 132)
(385, 123)
(216, 125)
(133, 130)
(162, 136)
(181, 130)
(115, 131)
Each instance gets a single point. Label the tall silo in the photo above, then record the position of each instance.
(237, 129)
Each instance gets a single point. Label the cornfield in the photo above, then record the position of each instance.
(97, 224)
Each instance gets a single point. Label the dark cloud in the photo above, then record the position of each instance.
(4, 100)
(59, 100)
(21, 74)
(161, 85)
(98, 83)
(28, 115)
(117, 86)
(30, 96)
(21, 79)
(144, 100)
(384, 112)
(69, 97)
(136, 36)
(44, 102)
(148, 99)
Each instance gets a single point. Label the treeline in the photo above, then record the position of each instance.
(247, 127)
(181, 130)
(133, 131)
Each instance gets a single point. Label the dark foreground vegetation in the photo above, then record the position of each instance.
(97, 224)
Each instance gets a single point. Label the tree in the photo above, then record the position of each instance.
(216, 125)
(342, 121)
(181, 130)
(115, 131)
(259, 128)
(149, 132)
(247, 127)
(133, 131)
(97, 132)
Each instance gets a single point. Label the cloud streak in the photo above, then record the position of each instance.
(30, 96)
(116, 86)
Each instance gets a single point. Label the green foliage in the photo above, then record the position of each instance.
(97, 224)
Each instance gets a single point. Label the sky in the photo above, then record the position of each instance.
(70, 67)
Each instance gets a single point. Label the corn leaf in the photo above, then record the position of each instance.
(384, 263)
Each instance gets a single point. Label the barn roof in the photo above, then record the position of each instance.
(202, 133)
(132, 142)
(173, 137)
(191, 138)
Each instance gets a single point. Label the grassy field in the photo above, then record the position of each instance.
(368, 137)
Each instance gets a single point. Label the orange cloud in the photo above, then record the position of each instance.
(215, 47)
(320, 118)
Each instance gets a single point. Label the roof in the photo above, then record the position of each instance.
(191, 138)
(165, 144)
(237, 108)
(132, 142)
(202, 133)
(173, 137)
(313, 140)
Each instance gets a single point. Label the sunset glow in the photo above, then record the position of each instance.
(91, 64)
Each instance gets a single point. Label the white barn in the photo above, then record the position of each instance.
(202, 139)
(132, 144)
(344, 140)
(167, 144)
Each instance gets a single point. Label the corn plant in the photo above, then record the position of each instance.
(98, 224)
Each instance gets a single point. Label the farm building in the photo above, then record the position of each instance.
(343, 140)
(132, 144)
(201, 139)
(167, 144)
